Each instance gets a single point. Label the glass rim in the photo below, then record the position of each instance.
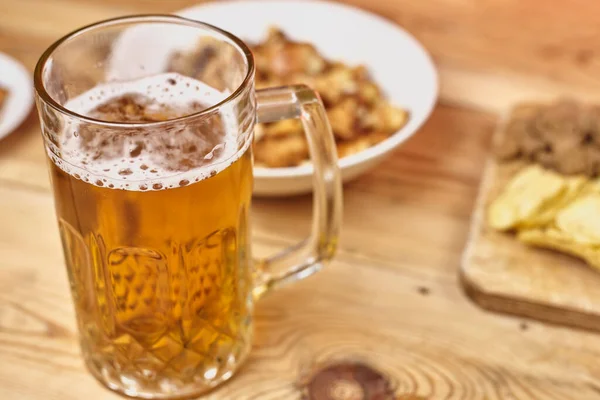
(43, 94)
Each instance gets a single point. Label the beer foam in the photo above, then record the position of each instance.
(150, 158)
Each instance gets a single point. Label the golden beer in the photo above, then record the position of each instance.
(160, 272)
(161, 279)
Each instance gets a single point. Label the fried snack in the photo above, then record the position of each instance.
(574, 187)
(207, 63)
(576, 231)
(285, 151)
(281, 58)
(348, 147)
(530, 193)
(580, 220)
(554, 201)
(287, 127)
(3, 96)
(556, 240)
(360, 117)
(342, 118)
(552, 211)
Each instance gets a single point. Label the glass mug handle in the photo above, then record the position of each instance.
(308, 256)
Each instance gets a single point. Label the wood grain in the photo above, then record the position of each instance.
(392, 297)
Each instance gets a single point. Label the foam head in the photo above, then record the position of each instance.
(153, 156)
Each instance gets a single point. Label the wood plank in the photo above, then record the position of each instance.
(502, 274)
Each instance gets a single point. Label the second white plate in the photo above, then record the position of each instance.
(17, 80)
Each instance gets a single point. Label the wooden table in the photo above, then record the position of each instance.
(392, 297)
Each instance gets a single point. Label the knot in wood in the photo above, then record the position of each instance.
(349, 381)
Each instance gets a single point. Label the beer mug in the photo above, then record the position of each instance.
(149, 146)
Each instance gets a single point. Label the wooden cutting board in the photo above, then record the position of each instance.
(502, 274)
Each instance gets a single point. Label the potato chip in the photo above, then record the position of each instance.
(580, 220)
(551, 211)
(591, 187)
(555, 240)
(524, 196)
(546, 214)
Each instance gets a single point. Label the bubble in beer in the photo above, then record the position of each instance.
(99, 182)
(125, 171)
(137, 150)
(184, 182)
(157, 186)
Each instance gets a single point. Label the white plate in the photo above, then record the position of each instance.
(396, 60)
(17, 80)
